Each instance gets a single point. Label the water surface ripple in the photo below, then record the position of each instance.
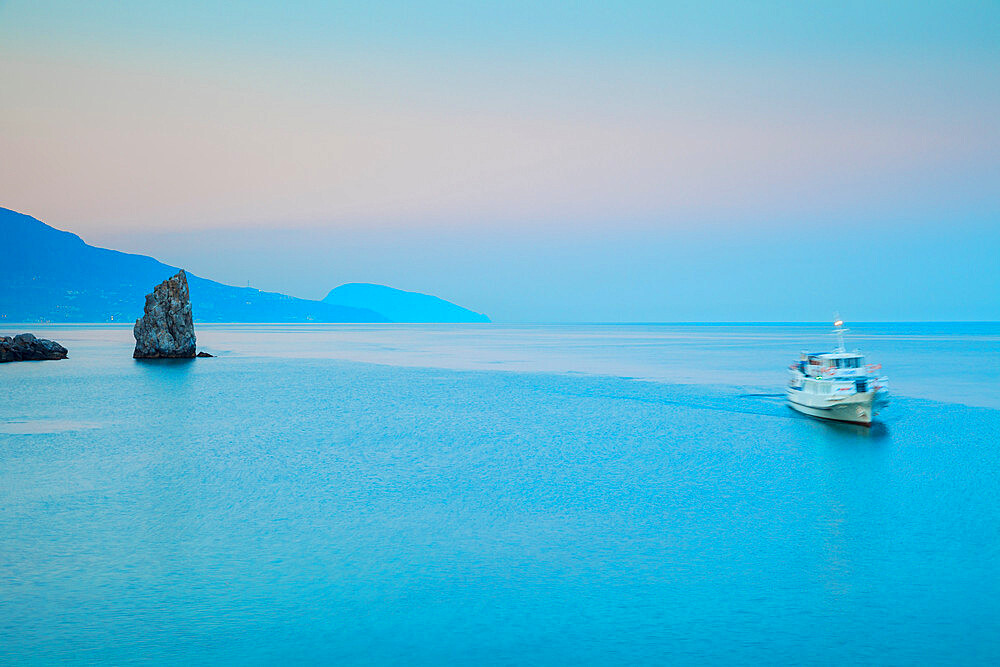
(280, 503)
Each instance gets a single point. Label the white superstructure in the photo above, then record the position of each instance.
(837, 385)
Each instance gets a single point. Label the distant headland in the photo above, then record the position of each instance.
(54, 276)
(400, 306)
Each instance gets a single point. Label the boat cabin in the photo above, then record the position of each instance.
(832, 363)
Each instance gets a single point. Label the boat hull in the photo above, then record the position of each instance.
(857, 409)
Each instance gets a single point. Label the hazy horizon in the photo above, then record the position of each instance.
(536, 162)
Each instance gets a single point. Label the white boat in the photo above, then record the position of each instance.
(837, 385)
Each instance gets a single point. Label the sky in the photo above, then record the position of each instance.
(536, 161)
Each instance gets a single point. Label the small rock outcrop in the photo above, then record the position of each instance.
(25, 347)
(166, 329)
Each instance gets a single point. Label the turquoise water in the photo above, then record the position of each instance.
(470, 494)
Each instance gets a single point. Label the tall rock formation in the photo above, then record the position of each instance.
(166, 330)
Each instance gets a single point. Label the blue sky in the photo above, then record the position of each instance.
(541, 161)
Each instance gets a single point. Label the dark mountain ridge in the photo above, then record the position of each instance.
(53, 276)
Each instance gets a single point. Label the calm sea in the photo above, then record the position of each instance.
(498, 494)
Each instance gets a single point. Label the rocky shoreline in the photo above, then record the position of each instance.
(26, 347)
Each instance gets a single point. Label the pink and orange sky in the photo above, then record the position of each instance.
(536, 161)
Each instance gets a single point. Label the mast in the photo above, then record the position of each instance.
(838, 331)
